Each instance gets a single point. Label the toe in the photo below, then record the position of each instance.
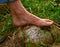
(46, 22)
(49, 22)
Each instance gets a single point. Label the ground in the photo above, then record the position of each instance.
(45, 9)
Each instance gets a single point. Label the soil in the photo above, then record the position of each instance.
(46, 35)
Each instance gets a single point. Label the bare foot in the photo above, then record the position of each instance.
(22, 17)
(21, 20)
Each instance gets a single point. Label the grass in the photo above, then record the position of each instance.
(42, 8)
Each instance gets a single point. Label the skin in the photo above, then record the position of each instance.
(21, 16)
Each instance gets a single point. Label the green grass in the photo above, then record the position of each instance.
(41, 8)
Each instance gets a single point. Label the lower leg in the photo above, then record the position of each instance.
(22, 17)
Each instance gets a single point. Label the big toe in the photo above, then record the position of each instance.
(49, 22)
